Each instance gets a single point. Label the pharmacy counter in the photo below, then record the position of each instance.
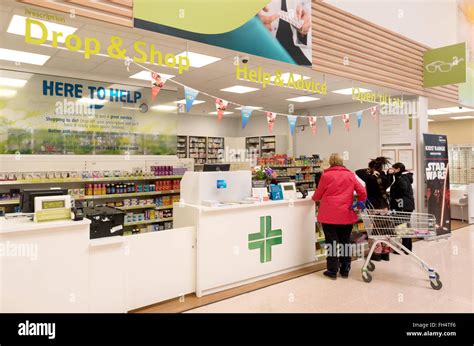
(239, 244)
(44, 266)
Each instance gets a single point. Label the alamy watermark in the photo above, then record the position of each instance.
(11, 249)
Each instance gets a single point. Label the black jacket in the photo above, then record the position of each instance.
(401, 193)
(376, 188)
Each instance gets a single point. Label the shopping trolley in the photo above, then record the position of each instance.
(388, 226)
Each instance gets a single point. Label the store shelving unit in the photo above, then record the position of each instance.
(87, 180)
(300, 174)
(252, 145)
(125, 195)
(147, 222)
(145, 206)
(182, 147)
(215, 149)
(197, 149)
(267, 146)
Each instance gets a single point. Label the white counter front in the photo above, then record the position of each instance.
(238, 244)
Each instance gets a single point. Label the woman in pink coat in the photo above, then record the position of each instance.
(335, 193)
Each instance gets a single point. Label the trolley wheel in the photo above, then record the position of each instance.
(436, 285)
(370, 266)
(366, 277)
(437, 276)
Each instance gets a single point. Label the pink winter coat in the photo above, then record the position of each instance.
(336, 193)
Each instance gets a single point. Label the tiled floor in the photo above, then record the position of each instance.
(397, 286)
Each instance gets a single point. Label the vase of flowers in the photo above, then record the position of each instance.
(261, 176)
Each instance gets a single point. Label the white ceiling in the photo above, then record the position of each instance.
(209, 79)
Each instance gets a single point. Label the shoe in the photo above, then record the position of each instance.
(376, 257)
(386, 256)
(345, 275)
(330, 274)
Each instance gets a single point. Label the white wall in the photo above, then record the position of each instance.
(201, 125)
(361, 143)
(430, 22)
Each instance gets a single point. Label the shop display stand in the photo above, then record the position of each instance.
(182, 147)
(267, 146)
(197, 149)
(215, 149)
(302, 175)
(252, 145)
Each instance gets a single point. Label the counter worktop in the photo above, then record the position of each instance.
(24, 225)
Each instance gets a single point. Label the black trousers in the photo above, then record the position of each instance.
(337, 235)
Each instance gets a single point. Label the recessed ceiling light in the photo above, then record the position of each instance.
(146, 75)
(303, 99)
(456, 110)
(163, 108)
(463, 117)
(7, 93)
(195, 102)
(286, 76)
(252, 107)
(17, 26)
(92, 101)
(435, 112)
(199, 60)
(24, 57)
(239, 89)
(430, 120)
(225, 113)
(12, 82)
(348, 91)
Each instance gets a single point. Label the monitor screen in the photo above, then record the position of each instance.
(216, 167)
(28, 197)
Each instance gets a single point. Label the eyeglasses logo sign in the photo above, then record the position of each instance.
(265, 239)
(444, 66)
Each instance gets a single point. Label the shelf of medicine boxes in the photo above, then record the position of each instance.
(120, 195)
(145, 206)
(182, 147)
(9, 202)
(87, 180)
(145, 222)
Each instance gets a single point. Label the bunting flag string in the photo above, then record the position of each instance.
(221, 106)
(346, 120)
(312, 123)
(329, 123)
(359, 118)
(271, 116)
(157, 84)
(292, 123)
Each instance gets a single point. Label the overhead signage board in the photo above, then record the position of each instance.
(444, 66)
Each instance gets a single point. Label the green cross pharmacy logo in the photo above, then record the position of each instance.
(265, 239)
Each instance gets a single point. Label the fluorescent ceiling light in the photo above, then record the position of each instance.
(163, 108)
(348, 91)
(286, 76)
(225, 113)
(17, 26)
(239, 89)
(435, 112)
(252, 107)
(12, 82)
(91, 101)
(146, 75)
(303, 99)
(7, 93)
(456, 110)
(430, 120)
(24, 57)
(198, 60)
(463, 117)
(183, 102)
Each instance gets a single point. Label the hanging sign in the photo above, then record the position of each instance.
(444, 66)
(190, 95)
(292, 122)
(437, 180)
(359, 118)
(346, 119)
(221, 106)
(246, 113)
(156, 84)
(373, 112)
(328, 119)
(312, 123)
(271, 116)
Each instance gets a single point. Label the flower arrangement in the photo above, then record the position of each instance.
(263, 173)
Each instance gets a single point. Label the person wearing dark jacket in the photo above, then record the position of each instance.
(401, 194)
(376, 184)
